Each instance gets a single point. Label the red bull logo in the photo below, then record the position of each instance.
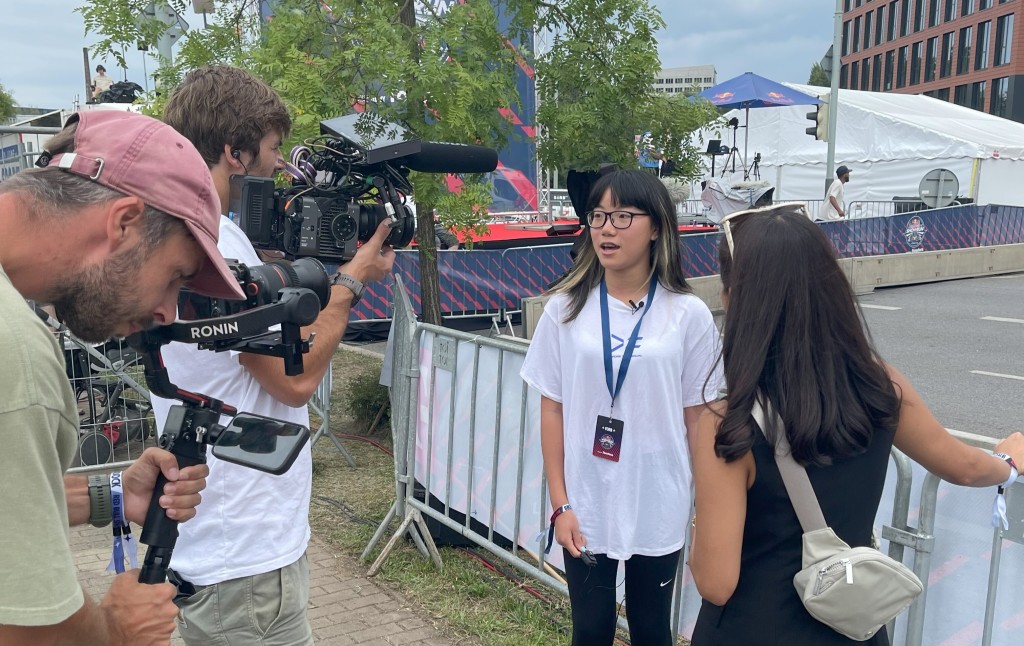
(723, 97)
(779, 97)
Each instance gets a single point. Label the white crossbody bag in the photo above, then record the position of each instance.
(853, 590)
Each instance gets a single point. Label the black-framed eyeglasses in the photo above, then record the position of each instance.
(727, 221)
(620, 219)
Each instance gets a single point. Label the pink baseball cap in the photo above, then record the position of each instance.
(146, 158)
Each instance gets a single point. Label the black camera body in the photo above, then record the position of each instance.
(345, 183)
(327, 224)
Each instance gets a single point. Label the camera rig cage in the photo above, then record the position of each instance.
(345, 182)
(340, 193)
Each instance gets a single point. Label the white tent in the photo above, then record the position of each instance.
(889, 141)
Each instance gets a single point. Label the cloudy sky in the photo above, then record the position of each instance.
(42, 41)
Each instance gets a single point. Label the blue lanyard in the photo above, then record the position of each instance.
(627, 354)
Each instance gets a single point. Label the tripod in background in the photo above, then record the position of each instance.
(734, 152)
(755, 168)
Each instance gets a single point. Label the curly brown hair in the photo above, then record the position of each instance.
(219, 104)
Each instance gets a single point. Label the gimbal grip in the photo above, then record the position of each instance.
(160, 532)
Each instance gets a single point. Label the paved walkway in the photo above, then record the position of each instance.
(345, 607)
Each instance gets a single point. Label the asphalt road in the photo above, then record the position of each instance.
(946, 336)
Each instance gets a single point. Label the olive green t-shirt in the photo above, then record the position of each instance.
(38, 432)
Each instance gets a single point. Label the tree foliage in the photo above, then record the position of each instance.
(6, 104)
(819, 76)
(596, 88)
(449, 76)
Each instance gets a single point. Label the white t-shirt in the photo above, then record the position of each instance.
(101, 84)
(640, 504)
(829, 212)
(249, 522)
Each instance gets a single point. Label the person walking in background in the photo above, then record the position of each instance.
(101, 82)
(794, 340)
(621, 358)
(834, 207)
(241, 568)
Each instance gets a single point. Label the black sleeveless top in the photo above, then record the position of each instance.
(765, 609)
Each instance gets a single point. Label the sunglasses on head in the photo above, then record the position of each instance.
(799, 208)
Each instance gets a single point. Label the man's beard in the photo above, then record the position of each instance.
(95, 301)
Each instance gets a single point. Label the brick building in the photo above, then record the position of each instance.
(963, 51)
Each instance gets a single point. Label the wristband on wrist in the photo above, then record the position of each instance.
(1006, 458)
(1014, 471)
(999, 518)
(558, 512)
(551, 525)
(100, 511)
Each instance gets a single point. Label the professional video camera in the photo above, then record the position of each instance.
(344, 185)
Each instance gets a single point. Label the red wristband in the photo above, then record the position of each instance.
(558, 512)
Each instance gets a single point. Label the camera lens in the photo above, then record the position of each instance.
(265, 281)
(371, 215)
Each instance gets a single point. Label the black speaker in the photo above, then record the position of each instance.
(714, 147)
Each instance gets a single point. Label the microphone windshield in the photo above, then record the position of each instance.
(435, 157)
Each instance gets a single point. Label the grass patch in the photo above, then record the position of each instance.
(465, 600)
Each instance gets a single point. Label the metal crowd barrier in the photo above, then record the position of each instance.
(883, 208)
(461, 431)
(856, 209)
(412, 393)
(115, 419)
(320, 405)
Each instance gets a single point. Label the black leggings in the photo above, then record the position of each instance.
(649, 584)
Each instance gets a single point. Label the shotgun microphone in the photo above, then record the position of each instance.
(440, 157)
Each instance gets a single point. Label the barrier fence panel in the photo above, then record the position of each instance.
(320, 405)
(115, 419)
(471, 433)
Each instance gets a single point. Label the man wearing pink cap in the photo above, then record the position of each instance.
(120, 215)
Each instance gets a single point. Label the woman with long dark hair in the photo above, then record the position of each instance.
(621, 357)
(794, 339)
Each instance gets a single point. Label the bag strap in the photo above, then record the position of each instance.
(794, 476)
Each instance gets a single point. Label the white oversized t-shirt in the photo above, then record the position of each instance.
(249, 522)
(829, 212)
(640, 504)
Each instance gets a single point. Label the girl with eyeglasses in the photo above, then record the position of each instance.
(794, 338)
(621, 358)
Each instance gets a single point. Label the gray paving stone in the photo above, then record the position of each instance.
(345, 607)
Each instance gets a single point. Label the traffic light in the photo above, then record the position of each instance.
(820, 118)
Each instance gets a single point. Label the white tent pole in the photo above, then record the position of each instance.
(746, 142)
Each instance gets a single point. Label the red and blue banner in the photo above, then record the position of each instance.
(494, 281)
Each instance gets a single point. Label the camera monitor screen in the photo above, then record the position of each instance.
(261, 443)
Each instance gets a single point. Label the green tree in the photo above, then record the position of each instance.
(6, 104)
(819, 76)
(448, 76)
(596, 88)
(443, 78)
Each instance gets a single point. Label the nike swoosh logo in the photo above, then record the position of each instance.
(664, 583)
